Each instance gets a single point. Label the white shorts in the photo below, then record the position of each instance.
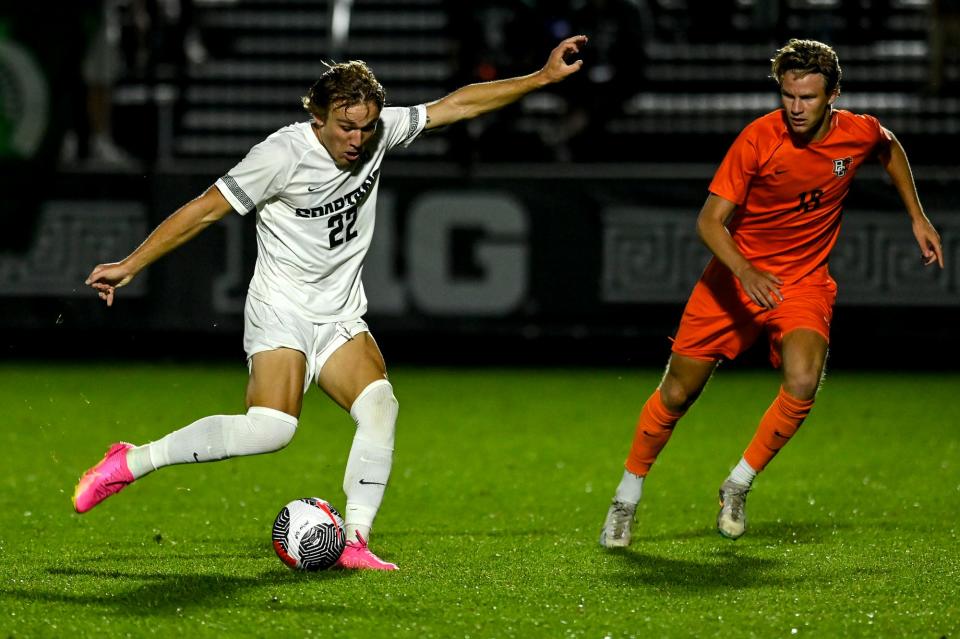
(266, 328)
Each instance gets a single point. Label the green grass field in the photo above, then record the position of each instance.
(501, 481)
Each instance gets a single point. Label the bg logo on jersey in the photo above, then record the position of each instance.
(840, 166)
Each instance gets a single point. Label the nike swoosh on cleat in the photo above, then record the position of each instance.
(372, 483)
(115, 483)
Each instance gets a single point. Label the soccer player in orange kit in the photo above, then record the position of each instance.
(771, 219)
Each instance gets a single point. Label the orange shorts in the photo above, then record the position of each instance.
(720, 321)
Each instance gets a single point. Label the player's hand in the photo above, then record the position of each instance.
(929, 241)
(106, 278)
(761, 287)
(557, 67)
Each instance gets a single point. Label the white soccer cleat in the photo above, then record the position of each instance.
(616, 528)
(732, 518)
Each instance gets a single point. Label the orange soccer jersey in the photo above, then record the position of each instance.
(789, 205)
(790, 198)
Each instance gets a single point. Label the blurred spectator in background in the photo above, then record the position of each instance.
(615, 62)
(145, 42)
(944, 39)
(91, 138)
(161, 38)
(495, 37)
(498, 40)
(161, 41)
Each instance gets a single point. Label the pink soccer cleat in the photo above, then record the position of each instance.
(108, 477)
(357, 556)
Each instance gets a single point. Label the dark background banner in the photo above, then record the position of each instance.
(560, 228)
(591, 261)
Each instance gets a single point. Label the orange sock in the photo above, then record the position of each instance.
(653, 430)
(778, 425)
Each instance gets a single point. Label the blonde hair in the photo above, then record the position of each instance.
(807, 56)
(343, 84)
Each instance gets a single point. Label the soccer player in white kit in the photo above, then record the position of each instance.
(313, 187)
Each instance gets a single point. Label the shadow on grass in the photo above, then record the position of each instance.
(134, 594)
(167, 556)
(717, 563)
(726, 568)
(493, 532)
(806, 532)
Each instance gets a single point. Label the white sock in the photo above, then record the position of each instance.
(261, 430)
(630, 489)
(742, 473)
(371, 456)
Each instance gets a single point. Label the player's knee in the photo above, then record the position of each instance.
(375, 411)
(676, 396)
(268, 430)
(803, 385)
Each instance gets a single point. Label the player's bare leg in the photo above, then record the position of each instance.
(804, 354)
(355, 377)
(684, 380)
(274, 398)
(351, 368)
(682, 383)
(276, 380)
(804, 359)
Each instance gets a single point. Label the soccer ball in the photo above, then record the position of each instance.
(308, 534)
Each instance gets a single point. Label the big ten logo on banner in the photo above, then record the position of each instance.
(450, 253)
(463, 253)
(72, 237)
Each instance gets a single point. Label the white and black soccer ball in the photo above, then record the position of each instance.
(308, 534)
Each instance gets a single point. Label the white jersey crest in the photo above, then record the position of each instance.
(315, 221)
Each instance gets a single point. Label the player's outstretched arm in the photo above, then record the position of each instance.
(181, 226)
(894, 161)
(476, 99)
(762, 287)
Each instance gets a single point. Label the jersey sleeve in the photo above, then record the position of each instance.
(402, 125)
(739, 166)
(259, 176)
(881, 136)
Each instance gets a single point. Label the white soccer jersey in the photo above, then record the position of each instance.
(314, 220)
